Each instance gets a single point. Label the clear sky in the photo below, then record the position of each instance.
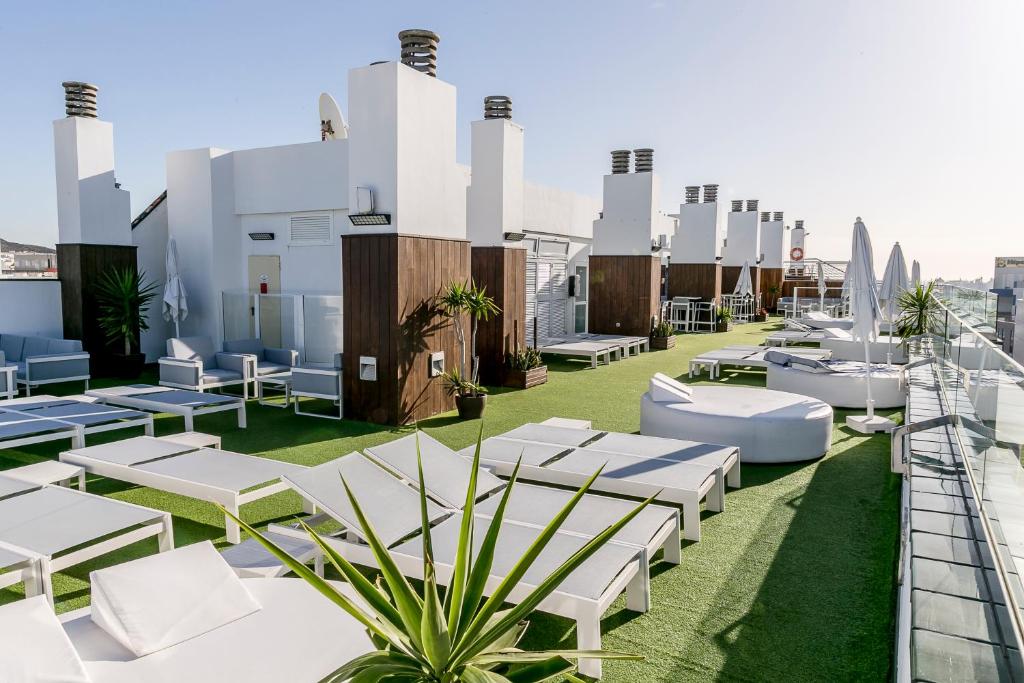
(908, 113)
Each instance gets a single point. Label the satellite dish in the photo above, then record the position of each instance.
(332, 123)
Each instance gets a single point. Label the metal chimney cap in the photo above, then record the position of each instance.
(644, 160)
(497, 107)
(79, 99)
(620, 161)
(419, 50)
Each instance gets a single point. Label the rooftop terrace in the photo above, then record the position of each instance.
(794, 581)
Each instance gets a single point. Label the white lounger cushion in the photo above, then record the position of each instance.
(767, 426)
(33, 646)
(845, 387)
(664, 388)
(159, 601)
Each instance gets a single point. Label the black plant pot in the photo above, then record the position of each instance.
(471, 407)
(125, 367)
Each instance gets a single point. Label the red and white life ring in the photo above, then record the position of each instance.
(796, 254)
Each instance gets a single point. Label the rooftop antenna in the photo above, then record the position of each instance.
(332, 123)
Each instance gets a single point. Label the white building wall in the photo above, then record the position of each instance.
(559, 212)
(697, 238)
(150, 238)
(310, 269)
(773, 244)
(290, 178)
(495, 196)
(631, 218)
(90, 209)
(742, 239)
(31, 308)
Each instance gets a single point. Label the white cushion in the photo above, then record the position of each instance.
(162, 600)
(664, 389)
(34, 647)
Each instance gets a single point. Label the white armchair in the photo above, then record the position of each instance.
(192, 363)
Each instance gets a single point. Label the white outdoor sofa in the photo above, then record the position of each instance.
(182, 616)
(223, 477)
(840, 384)
(42, 360)
(682, 473)
(767, 426)
(393, 508)
(62, 527)
(193, 363)
(187, 404)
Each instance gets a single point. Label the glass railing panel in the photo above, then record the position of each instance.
(238, 315)
(322, 316)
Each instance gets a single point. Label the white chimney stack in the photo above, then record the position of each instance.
(495, 194)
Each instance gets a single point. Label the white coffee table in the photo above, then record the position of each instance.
(48, 472)
(280, 382)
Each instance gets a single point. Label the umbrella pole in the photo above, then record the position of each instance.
(867, 367)
(888, 353)
(177, 332)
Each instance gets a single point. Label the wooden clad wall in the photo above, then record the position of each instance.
(769, 277)
(79, 268)
(390, 284)
(624, 294)
(502, 271)
(789, 286)
(695, 279)
(730, 274)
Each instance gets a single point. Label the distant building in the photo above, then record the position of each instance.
(1008, 285)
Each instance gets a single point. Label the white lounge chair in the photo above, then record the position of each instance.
(17, 567)
(595, 351)
(197, 622)
(63, 527)
(393, 508)
(819, 320)
(767, 426)
(187, 404)
(18, 429)
(841, 384)
(230, 479)
(93, 417)
(740, 356)
(843, 347)
(685, 475)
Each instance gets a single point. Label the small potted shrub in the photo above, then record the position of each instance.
(723, 319)
(663, 336)
(524, 369)
(761, 316)
(470, 397)
(123, 296)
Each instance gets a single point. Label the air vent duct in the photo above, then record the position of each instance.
(777, 216)
(644, 160)
(497, 107)
(765, 216)
(79, 99)
(620, 161)
(710, 193)
(692, 194)
(737, 205)
(419, 50)
(751, 205)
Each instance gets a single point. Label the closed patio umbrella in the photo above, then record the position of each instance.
(175, 299)
(744, 287)
(866, 315)
(915, 274)
(894, 281)
(822, 287)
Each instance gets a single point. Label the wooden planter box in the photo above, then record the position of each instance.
(663, 343)
(524, 379)
(760, 318)
(723, 327)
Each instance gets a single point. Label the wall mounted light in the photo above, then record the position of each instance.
(261, 236)
(368, 368)
(515, 236)
(437, 364)
(363, 219)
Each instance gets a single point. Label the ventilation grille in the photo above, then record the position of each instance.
(311, 230)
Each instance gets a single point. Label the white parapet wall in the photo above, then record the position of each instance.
(495, 196)
(773, 246)
(742, 239)
(697, 238)
(31, 308)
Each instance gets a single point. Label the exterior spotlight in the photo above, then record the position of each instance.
(362, 219)
(515, 236)
(261, 236)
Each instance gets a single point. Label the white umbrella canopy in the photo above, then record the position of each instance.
(175, 298)
(894, 281)
(866, 315)
(915, 274)
(744, 287)
(822, 287)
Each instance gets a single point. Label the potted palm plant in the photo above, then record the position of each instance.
(663, 336)
(468, 635)
(723, 319)
(123, 297)
(918, 311)
(524, 368)
(772, 299)
(459, 299)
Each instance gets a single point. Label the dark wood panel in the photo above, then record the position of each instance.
(624, 294)
(789, 286)
(79, 268)
(769, 277)
(390, 287)
(695, 279)
(502, 271)
(731, 274)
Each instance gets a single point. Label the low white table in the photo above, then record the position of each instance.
(48, 472)
(194, 439)
(699, 364)
(281, 382)
(567, 422)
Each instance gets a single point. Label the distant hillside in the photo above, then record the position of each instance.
(6, 246)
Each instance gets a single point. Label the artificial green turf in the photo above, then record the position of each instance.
(794, 581)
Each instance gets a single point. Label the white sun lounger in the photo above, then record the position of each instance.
(446, 476)
(393, 507)
(587, 349)
(187, 404)
(689, 473)
(18, 429)
(63, 527)
(284, 629)
(787, 337)
(230, 479)
(631, 346)
(746, 357)
(93, 417)
(16, 567)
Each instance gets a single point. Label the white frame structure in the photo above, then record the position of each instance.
(336, 399)
(230, 498)
(20, 568)
(142, 419)
(117, 396)
(12, 381)
(28, 382)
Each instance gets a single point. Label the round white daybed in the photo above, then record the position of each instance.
(843, 385)
(844, 348)
(767, 426)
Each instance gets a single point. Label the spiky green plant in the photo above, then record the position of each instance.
(457, 385)
(452, 302)
(465, 637)
(918, 311)
(123, 296)
(459, 298)
(480, 307)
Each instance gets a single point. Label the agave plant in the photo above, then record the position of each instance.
(466, 636)
(918, 311)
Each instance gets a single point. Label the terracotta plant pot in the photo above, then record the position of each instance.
(663, 343)
(471, 407)
(524, 379)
